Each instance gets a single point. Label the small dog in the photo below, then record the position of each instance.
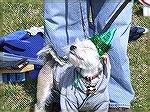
(81, 84)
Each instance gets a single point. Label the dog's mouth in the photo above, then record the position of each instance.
(73, 53)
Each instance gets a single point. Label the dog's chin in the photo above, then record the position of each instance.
(82, 63)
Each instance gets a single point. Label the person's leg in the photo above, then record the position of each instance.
(62, 23)
(120, 89)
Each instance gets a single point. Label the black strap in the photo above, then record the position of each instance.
(91, 19)
(109, 23)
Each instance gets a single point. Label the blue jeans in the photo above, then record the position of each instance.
(62, 21)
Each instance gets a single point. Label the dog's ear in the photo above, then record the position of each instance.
(77, 40)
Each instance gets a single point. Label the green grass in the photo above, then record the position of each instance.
(18, 97)
(140, 64)
(18, 14)
(15, 15)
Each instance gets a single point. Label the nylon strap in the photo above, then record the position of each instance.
(109, 23)
(91, 19)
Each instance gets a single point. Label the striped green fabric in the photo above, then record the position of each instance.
(102, 41)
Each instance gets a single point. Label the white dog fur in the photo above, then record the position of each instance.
(84, 55)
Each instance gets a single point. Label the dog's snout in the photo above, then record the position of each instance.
(73, 47)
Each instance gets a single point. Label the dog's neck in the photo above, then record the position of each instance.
(90, 72)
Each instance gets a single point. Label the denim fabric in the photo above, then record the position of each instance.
(62, 21)
(120, 89)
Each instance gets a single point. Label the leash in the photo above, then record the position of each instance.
(109, 23)
(91, 89)
(82, 19)
(91, 18)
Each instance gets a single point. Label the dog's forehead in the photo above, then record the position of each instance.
(85, 43)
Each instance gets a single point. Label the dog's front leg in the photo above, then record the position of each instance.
(45, 82)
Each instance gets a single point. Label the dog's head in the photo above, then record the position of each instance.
(83, 54)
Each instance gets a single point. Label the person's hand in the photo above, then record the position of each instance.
(104, 58)
(147, 2)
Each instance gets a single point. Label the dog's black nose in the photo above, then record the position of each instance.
(73, 47)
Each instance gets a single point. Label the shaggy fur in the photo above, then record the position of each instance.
(83, 56)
